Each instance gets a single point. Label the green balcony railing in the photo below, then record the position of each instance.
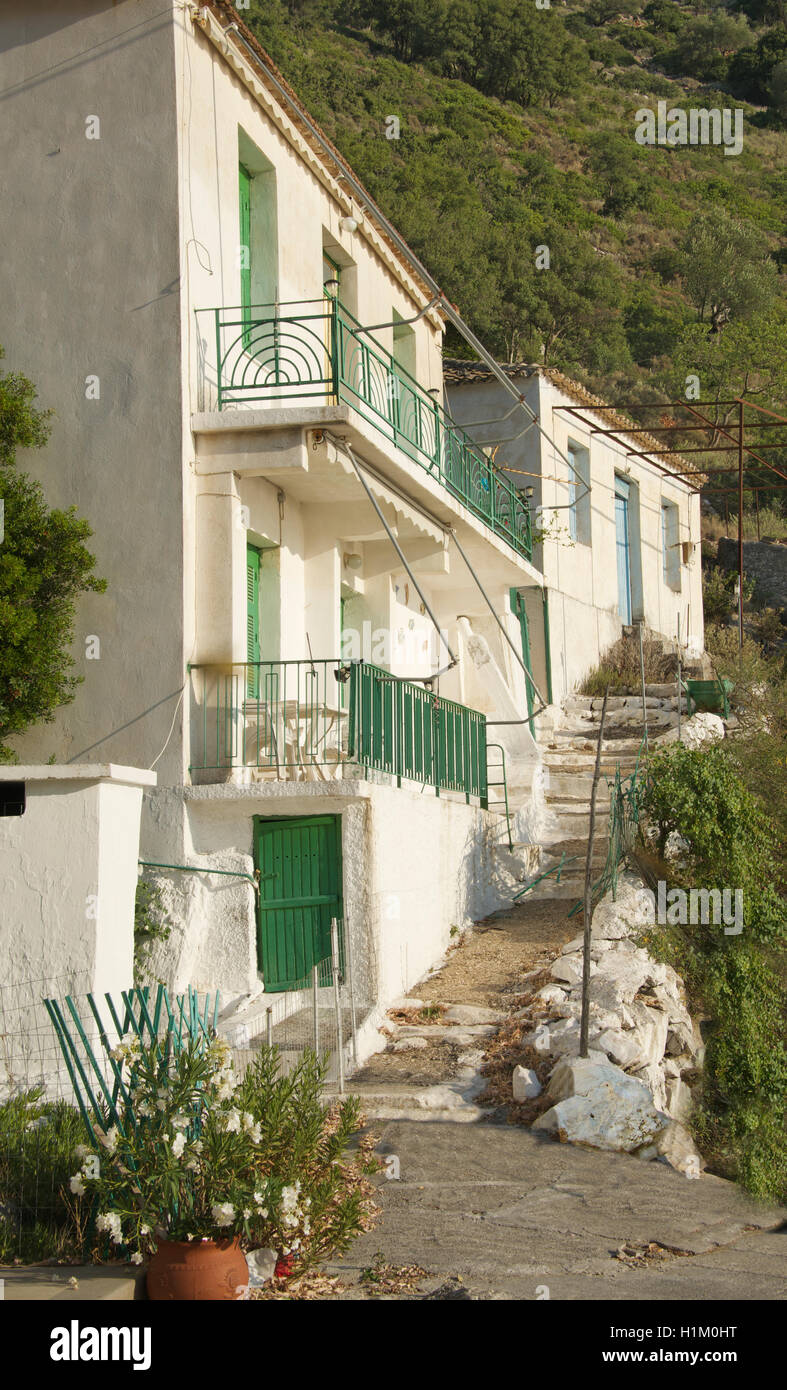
(317, 351)
(309, 720)
(289, 719)
(402, 728)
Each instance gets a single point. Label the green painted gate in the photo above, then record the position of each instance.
(300, 864)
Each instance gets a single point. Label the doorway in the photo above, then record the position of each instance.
(623, 548)
(300, 864)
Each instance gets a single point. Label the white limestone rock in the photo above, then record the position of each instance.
(471, 1059)
(651, 1036)
(525, 1084)
(619, 976)
(624, 1049)
(653, 1077)
(567, 1075)
(678, 1104)
(682, 1037)
(675, 1146)
(609, 923)
(602, 1107)
(552, 994)
(672, 1004)
(572, 946)
(599, 1018)
(568, 968)
(703, 727)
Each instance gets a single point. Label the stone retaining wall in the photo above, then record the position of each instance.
(763, 561)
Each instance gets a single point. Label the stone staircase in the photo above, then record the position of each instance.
(569, 750)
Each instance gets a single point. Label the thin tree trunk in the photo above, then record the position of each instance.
(588, 903)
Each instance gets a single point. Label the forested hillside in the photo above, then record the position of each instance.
(517, 131)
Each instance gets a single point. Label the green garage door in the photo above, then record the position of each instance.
(300, 866)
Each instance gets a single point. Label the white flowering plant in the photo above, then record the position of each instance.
(194, 1152)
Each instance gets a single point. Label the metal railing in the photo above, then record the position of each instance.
(310, 720)
(318, 1013)
(288, 719)
(403, 729)
(626, 798)
(317, 350)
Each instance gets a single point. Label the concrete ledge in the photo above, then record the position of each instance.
(73, 1283)
(78, 772)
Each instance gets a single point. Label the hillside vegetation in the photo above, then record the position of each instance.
(517, 131)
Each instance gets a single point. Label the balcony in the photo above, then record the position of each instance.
(316, 352)
(321, 720)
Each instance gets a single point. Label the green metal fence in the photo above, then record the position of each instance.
(90, 1030)
(404, 729)
(307, 720)
(318, 350)
(626, 798)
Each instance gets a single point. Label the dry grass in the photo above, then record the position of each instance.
(619, 667)
(508, 1049)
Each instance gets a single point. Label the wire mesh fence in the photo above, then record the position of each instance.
(40, 1124)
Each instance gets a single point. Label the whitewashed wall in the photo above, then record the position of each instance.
(415, 866)
(68, 876)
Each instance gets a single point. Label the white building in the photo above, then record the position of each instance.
(246, 375)
(619, 520)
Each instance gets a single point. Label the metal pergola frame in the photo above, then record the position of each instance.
(702, 424)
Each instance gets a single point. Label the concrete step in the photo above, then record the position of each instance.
(449, 1101)
(570, 888)
(571, 813)
(574, 849)
(574, 788)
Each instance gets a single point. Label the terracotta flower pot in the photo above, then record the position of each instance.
(183, 1270)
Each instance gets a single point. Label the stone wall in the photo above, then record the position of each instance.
(763, 561)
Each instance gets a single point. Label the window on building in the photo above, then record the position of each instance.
(12, 799)
(579, 523)
(258, 235)
(331, 277)
(670, 545)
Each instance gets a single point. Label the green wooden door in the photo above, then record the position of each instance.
(300, 864)
(252, 620)
(244, 207)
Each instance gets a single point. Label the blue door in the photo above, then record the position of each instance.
(622, 548)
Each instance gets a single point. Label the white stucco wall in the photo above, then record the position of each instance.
(581, 578)
(414, 865)
(92, 291)
(68, 876)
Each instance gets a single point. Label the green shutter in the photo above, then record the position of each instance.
(244, 197)
(252, 618)
(517, 601)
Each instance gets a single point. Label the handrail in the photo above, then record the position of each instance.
(504, 784)
(401, 728)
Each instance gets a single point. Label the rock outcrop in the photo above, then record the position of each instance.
(629, 1094)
